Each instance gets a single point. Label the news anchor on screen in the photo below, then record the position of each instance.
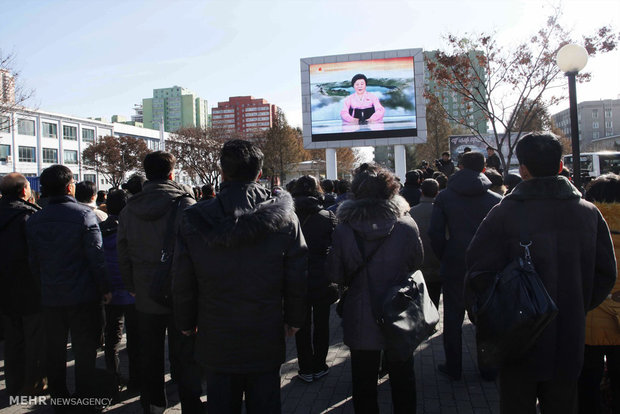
(361, 106)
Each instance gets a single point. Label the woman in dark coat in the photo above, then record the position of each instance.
(375, 220)
(317, 225)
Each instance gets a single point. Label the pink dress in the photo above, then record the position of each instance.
(354, 105)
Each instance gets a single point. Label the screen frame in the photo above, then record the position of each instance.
(374, 138)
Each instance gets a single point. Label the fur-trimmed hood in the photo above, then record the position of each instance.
(371, 217)
(242, 213)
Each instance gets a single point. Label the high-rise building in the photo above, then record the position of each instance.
(596, 120)
(7, 86)
(177, 107)
(138, 116)
(244, 114)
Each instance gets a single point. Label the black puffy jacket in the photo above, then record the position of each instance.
(239, 274)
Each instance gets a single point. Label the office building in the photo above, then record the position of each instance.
(177, 107)
(7, 87)
(244, 114)
(596, 120)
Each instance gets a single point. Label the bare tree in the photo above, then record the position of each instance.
(198, 150)
(115, 157)
(508, 86)
(13, 93)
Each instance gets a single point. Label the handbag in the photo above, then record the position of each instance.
(160, 289)
(408, 316)
(516, 309)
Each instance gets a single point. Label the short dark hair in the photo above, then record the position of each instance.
(374, 181)
(207, 189)
(54, 180)
(541, 153)
(473, 161)
(358, 77)
(445, 153)
(117, 200)
(307, 185)
(327, 185)
(442, 179)
(466, 150)
(241, 160)
(134, 184)
(343, 186)
(85, 191)
(604, 189)
(494, 176)
(490, 148)
(412, 177)
(429, 187)
(511, 181)
(158, 165)
(12, 184)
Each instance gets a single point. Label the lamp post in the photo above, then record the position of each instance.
(571, 59)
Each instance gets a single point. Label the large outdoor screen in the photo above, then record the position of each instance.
(359, 98)
(363, 98)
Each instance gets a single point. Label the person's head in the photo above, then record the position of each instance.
(412, 178)
(343, 186)
(159, 165)
(604, 189)
(117, 200)
(511, 181)
(241, 161)
(373, 181)
(57, 180)
(473, 161)
(359, 82)
(308, 186)
(429, 188)
(15, 185)
(85, 191)
(207, 190)
(539, 155)
(101, 197)
(289, 186)
(134, 184)
(442, 180)
(466, 150)
(327, 185)
(445, 156)
(490, 151)
(497, 181)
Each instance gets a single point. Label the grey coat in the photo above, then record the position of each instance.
(422, 214)
(400, 254)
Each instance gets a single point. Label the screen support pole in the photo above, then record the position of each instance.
(400, 162)
(330, 163)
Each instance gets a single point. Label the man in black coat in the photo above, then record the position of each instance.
(573, 254)
(445, 164)
(411, 190)
(20, 295)
(493, 160)
(457, 213)
(239, 282)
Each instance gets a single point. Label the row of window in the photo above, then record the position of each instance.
(29, 154)
(608, 113)
(256, 108)
(608, 124)
(48, 129)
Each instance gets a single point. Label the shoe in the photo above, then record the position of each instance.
(444, 370)
(305, 377)
(321, 373)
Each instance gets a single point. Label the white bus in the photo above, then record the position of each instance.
(594, 164)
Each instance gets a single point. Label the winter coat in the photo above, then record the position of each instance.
(239, 274)
(457, 213)
(603, 322)
(422, 215)
(19, 292)
(494, 162)
(573, 254)
(317, 226)
(66, 253)
(109, 229)
(141, 232)
(411, 193)
(446, 167)
(375, 221)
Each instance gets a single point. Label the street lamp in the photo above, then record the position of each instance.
(571, 59)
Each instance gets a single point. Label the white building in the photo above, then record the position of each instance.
(32, 140)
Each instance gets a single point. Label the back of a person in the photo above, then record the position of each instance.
(65, 275)
(422, 214)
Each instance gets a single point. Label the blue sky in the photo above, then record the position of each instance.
(99, 58)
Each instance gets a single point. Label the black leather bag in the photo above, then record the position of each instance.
(513, 313)
(407, 317)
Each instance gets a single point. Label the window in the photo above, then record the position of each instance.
(26, 154)
(50, 155)
(70, 157)
(5, 152)
(5, 124)
(25, 127)
(90, 177)
(608, 124)
(595, 135)
(50, 130)
(88, 135)
(594, 125)
(607, 113)
(595, 114)
(69, 132)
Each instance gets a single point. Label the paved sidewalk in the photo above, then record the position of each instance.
(332, 394)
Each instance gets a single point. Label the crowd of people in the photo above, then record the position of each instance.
(224, 277)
